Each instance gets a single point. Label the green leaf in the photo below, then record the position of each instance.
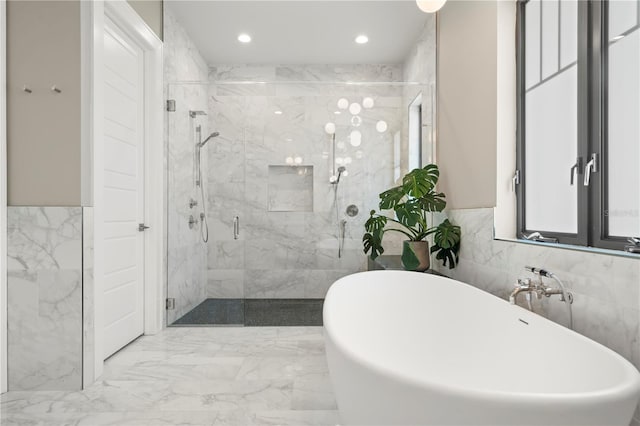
(390, 198)
(419, 182)
(375, 224)
(409, 213)
(373, 243)
(433, 201)
(447, 243)
(409, 259)
(447, 235)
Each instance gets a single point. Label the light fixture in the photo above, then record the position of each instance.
(289, 160)
(381, 126)
(337, 112)
(343, 103)
(339, 161)
(297, 160)
(277, 112)
(356, 121)
(359, 154)
(330, 128)
(355, 108)
(345, 173)
(340, 145)
(355, 138)
(244, 38)
(347, 160)
(362, 39)
(367, 103)
(430, 6)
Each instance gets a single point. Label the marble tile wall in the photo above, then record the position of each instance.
(292, 254)
(186, 78)
(88, 288)
(45, 298)
(606, 288)
(420, 67)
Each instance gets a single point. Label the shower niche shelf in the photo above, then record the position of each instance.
(290, 189)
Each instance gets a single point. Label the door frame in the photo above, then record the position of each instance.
(128, 21)
(3, 197)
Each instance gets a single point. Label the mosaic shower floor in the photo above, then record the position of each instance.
(255, 312)
(197, 376)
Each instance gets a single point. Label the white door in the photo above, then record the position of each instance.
(123, 189)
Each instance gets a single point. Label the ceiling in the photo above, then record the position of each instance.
(301, 32)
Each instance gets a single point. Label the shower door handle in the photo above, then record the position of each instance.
(236, 227)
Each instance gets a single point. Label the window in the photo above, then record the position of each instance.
(415, 133)
(579, 121)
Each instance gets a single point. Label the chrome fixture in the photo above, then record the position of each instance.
(193, 114)
(343, 231)
(204, 230)
(192, 221)
(352, 210)
(539, 288)
(634, 247)
(26, 89)
(536, 236)
(341, 171)
(192, 203)
(142, 227)
(211, 136)
(55, 89)
(236, 227)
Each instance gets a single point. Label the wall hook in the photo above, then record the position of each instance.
(26, 89)
(54, 88)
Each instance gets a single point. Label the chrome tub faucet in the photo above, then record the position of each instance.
(539, 288)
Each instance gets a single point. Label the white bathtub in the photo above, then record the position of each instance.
(406, 348)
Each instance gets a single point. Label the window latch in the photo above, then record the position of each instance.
(515, 180)
(537, 236)
(591, 167)
(575, 169)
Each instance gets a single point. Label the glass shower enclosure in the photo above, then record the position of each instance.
(286, 185)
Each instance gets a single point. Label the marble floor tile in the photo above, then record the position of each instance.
(196, 376)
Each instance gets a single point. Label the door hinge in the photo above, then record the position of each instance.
(171, 105)
(171, 304)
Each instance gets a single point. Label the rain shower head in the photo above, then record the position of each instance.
(193, 114)
(211, 136)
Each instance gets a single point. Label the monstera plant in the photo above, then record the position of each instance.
(411, 204)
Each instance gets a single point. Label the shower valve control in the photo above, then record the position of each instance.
(142, 227)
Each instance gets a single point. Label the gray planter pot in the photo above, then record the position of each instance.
(416, 256)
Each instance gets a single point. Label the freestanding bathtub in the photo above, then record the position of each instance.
(406, 348)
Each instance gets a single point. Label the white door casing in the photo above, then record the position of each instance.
(3, 199)
(128, 22)
(123, 186)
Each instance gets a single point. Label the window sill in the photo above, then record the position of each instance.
(593, 250)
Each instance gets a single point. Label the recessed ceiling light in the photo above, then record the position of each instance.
(244, 38)
(362, 39)
(278, 112)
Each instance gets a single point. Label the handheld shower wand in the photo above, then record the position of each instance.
(203, 216)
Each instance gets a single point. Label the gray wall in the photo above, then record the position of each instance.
(467, 102)
(151, 12)
(43, 128)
